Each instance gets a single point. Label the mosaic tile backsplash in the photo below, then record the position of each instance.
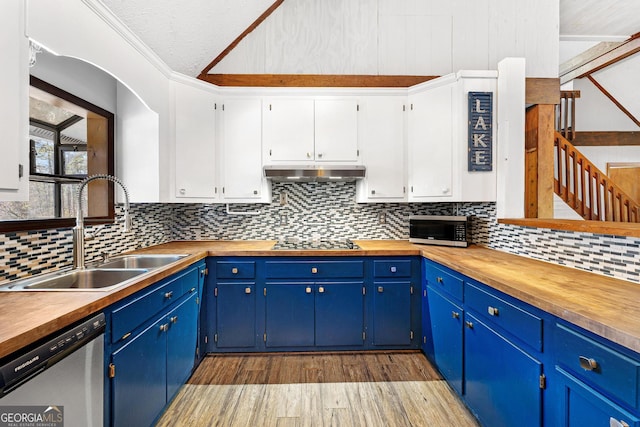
(314, 210)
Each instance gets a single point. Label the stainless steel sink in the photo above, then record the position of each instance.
(91, 279)
(140, 261)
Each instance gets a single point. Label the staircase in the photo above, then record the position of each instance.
(588, 190)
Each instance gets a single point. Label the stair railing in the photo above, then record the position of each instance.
(566, 114)
(588, 190)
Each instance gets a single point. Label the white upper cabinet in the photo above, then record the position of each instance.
(195, 143)
(382, 142)
(430, 145)
(302, 130)
(287, 130)
(336, 130)
(241, 154)
(14, 107)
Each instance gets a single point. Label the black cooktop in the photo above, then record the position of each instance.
(301, 244)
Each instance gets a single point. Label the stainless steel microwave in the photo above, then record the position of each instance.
(439, 230)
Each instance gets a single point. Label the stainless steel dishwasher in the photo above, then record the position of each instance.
(59, 380)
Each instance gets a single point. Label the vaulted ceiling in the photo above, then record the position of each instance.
(190, 35)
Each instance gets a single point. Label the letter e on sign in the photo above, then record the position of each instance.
(480, 138)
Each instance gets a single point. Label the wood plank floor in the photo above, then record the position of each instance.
(317, 389)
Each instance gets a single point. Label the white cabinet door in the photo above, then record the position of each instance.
(382, 142)
(430, 146)
(336, 130)
(195, 153)
(14, 107)
(241, 141)
(288, 130)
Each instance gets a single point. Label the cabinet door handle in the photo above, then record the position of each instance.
(247, 290)
(455, 314)
(380, 289)
(174, 319)
(493, 311)
(469, 324)
(164, 327)
(439, 279)
(314, 270)
(308, 289)
(234, 270)
(321, 290)
(319, 155)
(168, 294)
(587, 363)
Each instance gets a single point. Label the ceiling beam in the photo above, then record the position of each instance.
(618, 53)
(313, 80)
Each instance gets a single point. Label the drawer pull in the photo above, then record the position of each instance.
(174, 319)
(439, 279)
(394, 269)
(164, 327)
(168, 294)
(588, 364)
(455, 315)
(469, 324)
(247, 290)
(308, 289)
(314, 270)
(234, 270)
(380, 289)
(321, 290)
(493, 311)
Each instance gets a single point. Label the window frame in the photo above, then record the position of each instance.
(108, 149)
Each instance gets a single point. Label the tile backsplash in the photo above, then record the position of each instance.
(313, 210)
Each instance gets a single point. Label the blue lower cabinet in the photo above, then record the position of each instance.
(236, 315)
(182, 341)
(339, 311)
(392, 313)
(139, 382)
(502, 382)
(289, 314)
(583, 406)
(446, 330)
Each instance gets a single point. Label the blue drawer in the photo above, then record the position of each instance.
(235, 269)
(522, 324)
(598, 364)
(313, 269)
(443, 281)
(387, 269)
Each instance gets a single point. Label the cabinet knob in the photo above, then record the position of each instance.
(455, 315)
(234, 270)
(321, 290)
(319, 155)
(445, 190)
(380, 289)
(373, 191)
(587, 363)
(174, 319)
(247, 290)
(308, 289)
(469, 324)
(393, 269)
(255, 191)
(183, 191)
(164, 327)
(314, 270)
(439, 279)
(308, 155)
(493, 311)
(168, 294)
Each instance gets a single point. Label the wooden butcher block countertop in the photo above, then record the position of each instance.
(606, 306)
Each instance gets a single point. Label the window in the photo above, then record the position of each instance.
(69, 139)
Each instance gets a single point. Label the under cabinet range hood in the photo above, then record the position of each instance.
(314, 172)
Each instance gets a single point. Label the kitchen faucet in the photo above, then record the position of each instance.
(78, 230)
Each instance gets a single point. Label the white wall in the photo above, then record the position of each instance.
(430, 37)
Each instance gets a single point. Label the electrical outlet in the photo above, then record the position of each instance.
(283, 199)
(284, 219)
(382, 217)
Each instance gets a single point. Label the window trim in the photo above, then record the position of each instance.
(108, 192)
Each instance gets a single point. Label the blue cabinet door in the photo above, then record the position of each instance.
(502, 382)
(236, 315)
(339, 311)
(182, 338)
(139, 385)
(580, 405)
(446, 328)
(289, 316)
(202, 315)
(392, 313)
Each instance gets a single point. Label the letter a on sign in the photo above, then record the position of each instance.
(480, 138)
